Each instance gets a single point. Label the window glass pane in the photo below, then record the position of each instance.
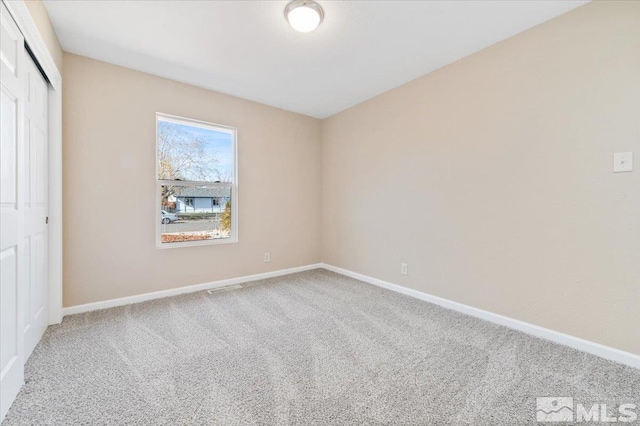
(194, 213)
(193, 152)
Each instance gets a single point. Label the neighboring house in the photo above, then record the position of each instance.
(201, 200)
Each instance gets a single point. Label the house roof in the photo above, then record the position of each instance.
(203, 192)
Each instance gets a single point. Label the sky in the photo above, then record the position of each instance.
(219, 143)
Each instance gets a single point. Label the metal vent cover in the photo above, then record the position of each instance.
(227, 288)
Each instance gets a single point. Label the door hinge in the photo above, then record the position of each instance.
(46, 221)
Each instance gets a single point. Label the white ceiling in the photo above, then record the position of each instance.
(247, 48)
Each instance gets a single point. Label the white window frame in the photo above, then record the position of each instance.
(233, 185)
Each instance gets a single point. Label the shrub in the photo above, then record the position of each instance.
(225, 219)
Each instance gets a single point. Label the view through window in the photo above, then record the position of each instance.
(196, 182)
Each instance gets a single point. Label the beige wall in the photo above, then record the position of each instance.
(492, 178)
(109, 185)
(41, 18)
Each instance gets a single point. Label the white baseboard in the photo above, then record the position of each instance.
(105, 304)
(603, 351)
(593, 348)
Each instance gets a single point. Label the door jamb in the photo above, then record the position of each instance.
(27, 26)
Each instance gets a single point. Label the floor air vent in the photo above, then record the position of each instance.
(227, 288)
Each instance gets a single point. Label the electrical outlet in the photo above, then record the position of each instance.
(267, 257)
(404, 269)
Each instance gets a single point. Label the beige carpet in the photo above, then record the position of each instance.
(313, 348)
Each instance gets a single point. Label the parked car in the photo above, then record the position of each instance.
(168, 217)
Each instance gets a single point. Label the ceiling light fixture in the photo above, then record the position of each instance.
(304, 15)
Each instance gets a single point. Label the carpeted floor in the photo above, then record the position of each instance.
(314, 348)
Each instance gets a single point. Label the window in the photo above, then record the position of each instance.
(196, 188)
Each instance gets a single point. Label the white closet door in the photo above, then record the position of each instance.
(11, 209)
(35, 285)
(23, 209)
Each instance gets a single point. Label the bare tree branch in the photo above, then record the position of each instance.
(183, 156)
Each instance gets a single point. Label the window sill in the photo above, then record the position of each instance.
(215, 242)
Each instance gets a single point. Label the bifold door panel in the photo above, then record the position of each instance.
(23, 208)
